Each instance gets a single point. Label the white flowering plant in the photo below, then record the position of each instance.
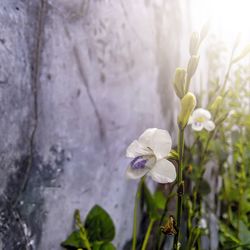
(185, 170)
(202, 199)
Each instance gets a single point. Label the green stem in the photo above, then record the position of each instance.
(160, 237)
(137, 199)
(145, 242)
(179, 185)
(83, 234)
(228, 72)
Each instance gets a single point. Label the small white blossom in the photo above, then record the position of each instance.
(201, 118)
(203, 223)
(149, 153)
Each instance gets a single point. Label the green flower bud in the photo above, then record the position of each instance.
(179, 82)
(194, 43)
(217, 102)
(188, 103)
(192, 65)
(221, 118)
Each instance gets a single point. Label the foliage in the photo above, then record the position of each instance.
(95, 233)
(221, 152)
(224, 149)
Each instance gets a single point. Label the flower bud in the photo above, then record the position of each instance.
(221, 118)
(179, 82)
(243, 54)
(204, 31)
(194, 43)
(216, 104)
(192, 65)
(188, 103)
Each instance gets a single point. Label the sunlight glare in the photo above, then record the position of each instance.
(228, 18)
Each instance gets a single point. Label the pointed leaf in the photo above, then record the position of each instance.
(99, 225)
(74, 240)
(107, 246)
(103, 246)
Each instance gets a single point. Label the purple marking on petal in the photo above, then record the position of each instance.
(135, 159)
(198, 124)
(138, 163)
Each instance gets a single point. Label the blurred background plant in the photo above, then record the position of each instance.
(215, 168)
(231, 151)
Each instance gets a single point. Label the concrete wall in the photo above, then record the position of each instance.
(79, 80)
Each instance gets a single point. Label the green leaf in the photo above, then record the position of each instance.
(159, 199)
(96, 245)
(195, 234)
(227, 234)
(173, 155)
(99, 225)
(74, 240)
(103, 246)
(244, 233)
(107, 246)
(151, 207)
(230, 244)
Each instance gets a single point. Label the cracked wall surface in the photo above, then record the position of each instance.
(79, 80)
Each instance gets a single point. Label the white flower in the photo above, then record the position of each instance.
(202, 223)
(149, 153)
(201, 118)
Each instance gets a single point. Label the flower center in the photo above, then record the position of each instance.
(200, 119)
(198, 124)
(138, 162)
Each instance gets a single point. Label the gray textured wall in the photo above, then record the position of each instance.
(79, 80)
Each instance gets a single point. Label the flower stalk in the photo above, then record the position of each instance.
(83, 232)
(180, 185)
(145, 242)
(137, 200)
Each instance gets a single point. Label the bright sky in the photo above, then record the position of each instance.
(228, 17)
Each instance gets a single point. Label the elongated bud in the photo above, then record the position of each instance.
(179, 82)
(204, 31)
(192, 65)
(243, 54)
(194, 43)
(221, 118)
(216, 104)
(188, 103)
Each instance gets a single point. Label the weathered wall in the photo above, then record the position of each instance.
(79, 80)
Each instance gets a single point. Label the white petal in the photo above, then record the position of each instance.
(201, 113)
(163, 171)
(158, 140)
(136, 173)
(197, 126)
(136, 149)
(190, 120)
(202, 223)
(209, 125)
(147, 136)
